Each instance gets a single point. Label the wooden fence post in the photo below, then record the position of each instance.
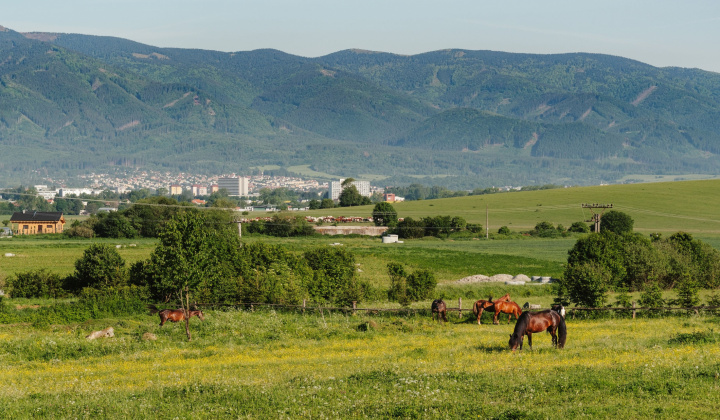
(633, 310)
(459, 307)
(354, 307)
(304, 305)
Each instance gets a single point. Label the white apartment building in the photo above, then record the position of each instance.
(235, 186)
(335, 188)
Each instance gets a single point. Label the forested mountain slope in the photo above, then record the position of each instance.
(72, 102)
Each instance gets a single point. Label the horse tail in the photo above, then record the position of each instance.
(153, 309)
(562, 332)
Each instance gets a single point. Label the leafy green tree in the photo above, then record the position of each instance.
(350, 196)
(314, 204)
(384, 214)
(398, 284)
(327, 203)
(687, 292)
(114, 225)
(335, 275)
(193, 258)
(504, 230)
(409, 287)
(651, 297)
(101, 267)
(616, 222)
(410, 228)
(602, 249)
(587, 283)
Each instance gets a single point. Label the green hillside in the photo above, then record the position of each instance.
(71, 103)
(689, 206)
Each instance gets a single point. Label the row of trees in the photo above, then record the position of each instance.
(602, 262)
(214, 265)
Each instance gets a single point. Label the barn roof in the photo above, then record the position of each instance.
(37, 216)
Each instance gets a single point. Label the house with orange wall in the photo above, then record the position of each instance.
(36, 222)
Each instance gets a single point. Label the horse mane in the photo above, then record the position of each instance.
(153, 309)
(521, 325)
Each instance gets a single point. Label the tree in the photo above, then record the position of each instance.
(327, 203)
(587, 283)
(616, 222)
(101, 266)
(384, 214)
(334, 278)
(193, 258)
(350, 196)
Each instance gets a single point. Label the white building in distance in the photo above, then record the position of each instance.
(335, 188)
(235, 186)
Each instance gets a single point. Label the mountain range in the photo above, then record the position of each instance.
(72, 104)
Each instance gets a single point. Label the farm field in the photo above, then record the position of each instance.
(689, 206)
(263, 364)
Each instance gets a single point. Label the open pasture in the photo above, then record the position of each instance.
(689, 206)
(264, 364)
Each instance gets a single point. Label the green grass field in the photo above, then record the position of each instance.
(322, 365)
(268, 364)
(689, 206)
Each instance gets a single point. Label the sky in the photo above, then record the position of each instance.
(657, 32)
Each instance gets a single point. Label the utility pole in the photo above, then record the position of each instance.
(487, 223)
(596, 216)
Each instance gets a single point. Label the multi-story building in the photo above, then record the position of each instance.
(335, 188)
(199, 190)
(175, 189)
(235, 186)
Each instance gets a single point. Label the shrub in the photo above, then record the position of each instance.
(36, 284)
(100, 266)
(579, 227)
(651, 297)
(406, 288)
(504, 230)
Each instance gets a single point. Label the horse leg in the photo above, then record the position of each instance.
(444, 315)
(529, 340)
(480, 312)
(554, 337)
(495, 318)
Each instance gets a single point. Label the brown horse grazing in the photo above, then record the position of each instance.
(439, 309)
(487, 305)
(532, 322)
(174, 315)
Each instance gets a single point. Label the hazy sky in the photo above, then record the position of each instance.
(658, 32)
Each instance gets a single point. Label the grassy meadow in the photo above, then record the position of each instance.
(321, 364)
(263, 364)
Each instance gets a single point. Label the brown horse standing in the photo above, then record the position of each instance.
(489, 305)
(174, 315)
(439, 309)
(510, 308)
(532, 322)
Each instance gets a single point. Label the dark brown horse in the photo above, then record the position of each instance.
(439, 309)
(488, 305)
(174, 315)
(531, 322)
